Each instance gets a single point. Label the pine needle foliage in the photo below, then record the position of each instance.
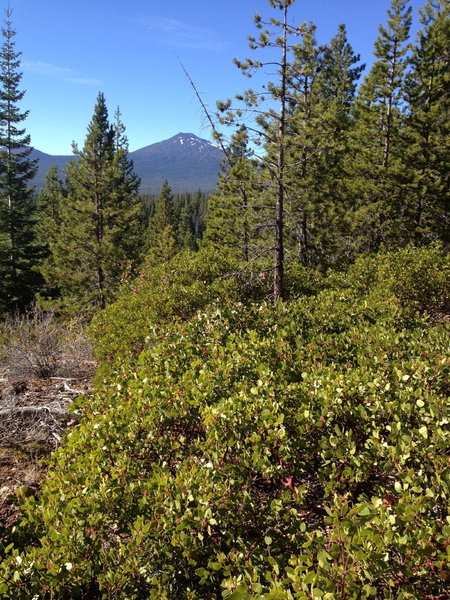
(97, 238)
(18, 252)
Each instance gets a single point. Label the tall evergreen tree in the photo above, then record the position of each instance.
(162, 238)
(303, 136)
(186, 225)
(18, 280)
(269, 108)
(300, 120)
(375, 163)
(336, 81)
(319, 120)
(301, 123)
(193, 216)
(98, 236)
(233, 211)
(126, 213)
(428, 125)
(50, 202)
(164, 215)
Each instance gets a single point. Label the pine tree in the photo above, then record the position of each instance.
(48, 219)
(185, 219)
(301, 124)
(162, 231)
(190, 218)
(300, 120)
(319, 126)
(126, 213)
(376, 160)
(98, 236)
(270, 122)
(196, 208)
(164, 215)
(49, 204)
(18, 256)
(337, 81)
(162, 236)
(428, 126)
(233, 211)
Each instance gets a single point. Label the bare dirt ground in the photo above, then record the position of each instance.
(33, 417)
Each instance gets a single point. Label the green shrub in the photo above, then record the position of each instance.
(254, 453)
(418, 279)
(303, 281)
(163, 294)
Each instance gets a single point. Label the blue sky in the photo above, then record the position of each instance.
(130, 51)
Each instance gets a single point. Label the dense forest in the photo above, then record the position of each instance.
(270, 414)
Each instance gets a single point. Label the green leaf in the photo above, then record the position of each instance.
(369, 590)
(239, 593)
(423, 432)
(365, 511)
(322, 559)
(146, 528)
(310, 577)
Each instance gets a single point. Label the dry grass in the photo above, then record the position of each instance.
(37, 344)
(44, 364)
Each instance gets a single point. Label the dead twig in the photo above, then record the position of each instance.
(17, 411)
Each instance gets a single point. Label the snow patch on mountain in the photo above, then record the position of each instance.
(193, 141)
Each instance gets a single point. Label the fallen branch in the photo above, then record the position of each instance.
(71, 390)
(31, 410)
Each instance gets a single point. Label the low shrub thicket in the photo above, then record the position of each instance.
(169, 293)
(259, 453)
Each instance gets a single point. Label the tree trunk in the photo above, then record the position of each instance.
(278, 285)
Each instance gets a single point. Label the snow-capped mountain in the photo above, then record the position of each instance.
(185, 160)
(188, 162)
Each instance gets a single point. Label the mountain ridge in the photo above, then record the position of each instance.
(188, 162)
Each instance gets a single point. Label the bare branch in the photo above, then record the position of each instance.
(31, 410)
(217, 134)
